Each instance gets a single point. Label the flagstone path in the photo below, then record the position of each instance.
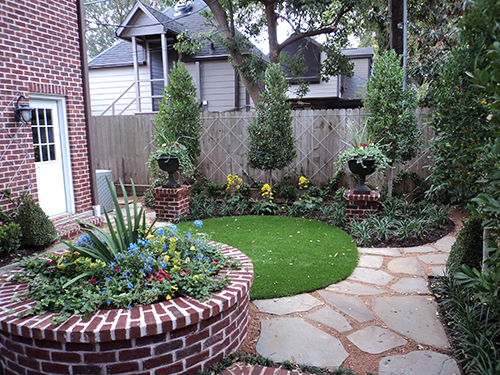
(383, 309)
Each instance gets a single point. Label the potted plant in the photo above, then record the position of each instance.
(363, 158)
(170, 157)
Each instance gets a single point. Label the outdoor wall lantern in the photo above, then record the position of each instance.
(22, 112)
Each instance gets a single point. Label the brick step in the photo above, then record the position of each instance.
(67, 227)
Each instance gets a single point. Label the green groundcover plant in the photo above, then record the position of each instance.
(123, 267)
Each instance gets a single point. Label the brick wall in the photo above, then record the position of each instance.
(180, 336)
(40, 53)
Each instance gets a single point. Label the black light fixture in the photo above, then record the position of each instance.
(22, 112)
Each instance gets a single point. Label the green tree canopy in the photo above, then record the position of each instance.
(334, 19)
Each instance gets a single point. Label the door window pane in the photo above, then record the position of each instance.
(44, 135)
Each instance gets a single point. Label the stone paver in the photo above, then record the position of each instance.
(294, 339)
(376, 340)
(445, 243)
(439, 271)
(418, 363)
(410, 266)
(389, 252)
(348, 287)
(371, 276)
(352, 306)
(412, 316)
(370, 261)
(411, 285)
(434, 258)
(330, 318)
(419, 249)
(288, 305)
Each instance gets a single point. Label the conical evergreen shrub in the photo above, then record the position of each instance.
(37, 228)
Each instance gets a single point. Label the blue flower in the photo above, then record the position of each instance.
(160, 231)
(104, 291)
(198, 223)
(173, 227)
(130, 286)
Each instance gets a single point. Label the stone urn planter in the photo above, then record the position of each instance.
(362, 170)
(179, 336)
(169, 164)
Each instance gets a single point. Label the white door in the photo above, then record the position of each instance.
(45, 126)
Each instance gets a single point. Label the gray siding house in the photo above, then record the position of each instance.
(122, 84)
(128, 78)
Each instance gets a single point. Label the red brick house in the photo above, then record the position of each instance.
(43, 59)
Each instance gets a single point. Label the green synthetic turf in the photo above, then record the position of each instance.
(290, 255)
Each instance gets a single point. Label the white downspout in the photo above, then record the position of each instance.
(164, 58)
(136, 74)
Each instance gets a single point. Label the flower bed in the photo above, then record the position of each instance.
(180, 336)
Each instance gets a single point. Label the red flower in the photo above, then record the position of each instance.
(93, 281)
(84, 284)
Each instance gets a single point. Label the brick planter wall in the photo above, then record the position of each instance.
(360, 205)
(175, 200)
(180, 336)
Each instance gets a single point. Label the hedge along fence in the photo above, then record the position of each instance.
(123, 144)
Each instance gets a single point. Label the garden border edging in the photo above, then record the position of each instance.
(180, 336)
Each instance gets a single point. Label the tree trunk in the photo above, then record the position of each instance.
(227, 34)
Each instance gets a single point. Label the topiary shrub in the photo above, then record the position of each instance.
(35, 225)
(468, 247)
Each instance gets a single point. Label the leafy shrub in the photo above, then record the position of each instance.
(468, 247)
(10, 237)
(308, 204)
(37, 228)
(265, 207)
(289, 193)
(178, 119)
(214, 190)
(315, 191)
(271, 139)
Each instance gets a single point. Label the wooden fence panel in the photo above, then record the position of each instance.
(124, 144)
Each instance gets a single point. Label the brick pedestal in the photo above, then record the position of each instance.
(175, 200)
(360, 205)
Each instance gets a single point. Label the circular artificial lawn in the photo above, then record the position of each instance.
(290, 255)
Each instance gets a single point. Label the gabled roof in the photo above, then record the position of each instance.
(146, 20)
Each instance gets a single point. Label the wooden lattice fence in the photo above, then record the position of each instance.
(124, 143)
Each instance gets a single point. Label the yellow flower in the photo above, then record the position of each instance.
(166, 258)
(173, 289)
(196, 277)
(169, 297)
(484, 101)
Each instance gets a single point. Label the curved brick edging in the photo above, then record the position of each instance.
(180, 336)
